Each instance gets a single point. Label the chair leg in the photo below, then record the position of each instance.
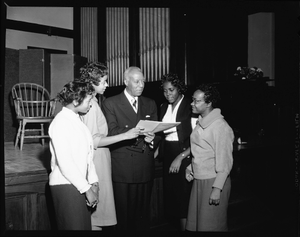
(42, 132)
(22, 135)
(18, 133)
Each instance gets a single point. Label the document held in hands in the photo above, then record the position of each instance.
(155, 126)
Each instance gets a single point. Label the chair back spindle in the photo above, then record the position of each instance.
(32, 105)
(32, 100)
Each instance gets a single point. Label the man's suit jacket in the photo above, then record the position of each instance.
(184, 129)
(132, 161)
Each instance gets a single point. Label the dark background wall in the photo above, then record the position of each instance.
(215, 38)
(210, 40)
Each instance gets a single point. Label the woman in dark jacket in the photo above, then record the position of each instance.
(174, 148)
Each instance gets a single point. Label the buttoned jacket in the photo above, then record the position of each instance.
(132, 160)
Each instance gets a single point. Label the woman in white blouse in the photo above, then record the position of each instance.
(73, 180)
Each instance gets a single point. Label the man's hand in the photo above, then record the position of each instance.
(149, 136)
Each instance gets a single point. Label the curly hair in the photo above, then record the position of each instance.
(75, 90)
(175, 81)
(92, 71)
(211, 94)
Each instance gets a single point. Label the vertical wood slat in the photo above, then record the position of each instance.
(27, 107)
(142, 38)
(155, 42)
(114, 51)
(117, 49)
(119, 23)
(89, 33)
(167, 48)
(147, 49)
(159, 38)
(153, 35)
(164, 58)
(117, 43)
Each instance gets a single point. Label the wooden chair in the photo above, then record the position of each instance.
(32, 105)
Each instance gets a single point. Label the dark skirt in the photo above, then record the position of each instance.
(176, 188)
(70, 207)
(205, 217)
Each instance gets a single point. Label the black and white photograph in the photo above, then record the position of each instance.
(79, 78)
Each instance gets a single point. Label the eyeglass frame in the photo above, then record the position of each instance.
(197, 101)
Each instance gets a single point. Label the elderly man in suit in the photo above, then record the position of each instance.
(132, 160)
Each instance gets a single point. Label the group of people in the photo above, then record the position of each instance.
(102, 165)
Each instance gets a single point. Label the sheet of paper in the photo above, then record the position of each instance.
(155, 126)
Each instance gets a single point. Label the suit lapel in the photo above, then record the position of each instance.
(141, 110)
(163, 110)
(127, 109)
(183, 109)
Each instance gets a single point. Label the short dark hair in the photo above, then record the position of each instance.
(175, 81)
(211, 94)
(92, 71)
(75, 90)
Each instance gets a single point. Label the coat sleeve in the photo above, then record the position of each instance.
(92, 174)
(223, 153)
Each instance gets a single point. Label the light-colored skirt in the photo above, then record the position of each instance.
(105, 212)
(201, 215)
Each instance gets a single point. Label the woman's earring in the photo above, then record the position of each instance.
(75, 103)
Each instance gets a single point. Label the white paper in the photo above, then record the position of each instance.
(155, 126)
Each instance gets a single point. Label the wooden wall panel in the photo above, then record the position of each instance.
(11, 78)
(32, 67)
(64, 68)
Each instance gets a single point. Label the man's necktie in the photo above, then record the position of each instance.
(134, 105)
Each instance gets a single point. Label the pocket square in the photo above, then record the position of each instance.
(147, 116)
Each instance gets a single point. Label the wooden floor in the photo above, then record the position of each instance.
(250, 210)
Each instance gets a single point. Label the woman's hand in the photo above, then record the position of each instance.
(91, 197)
(215, 195)
(132, 133)
(189, 175)
(175, 165)
(95, 187)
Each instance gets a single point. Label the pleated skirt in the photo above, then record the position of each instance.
(201, 215)
(105, 212)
